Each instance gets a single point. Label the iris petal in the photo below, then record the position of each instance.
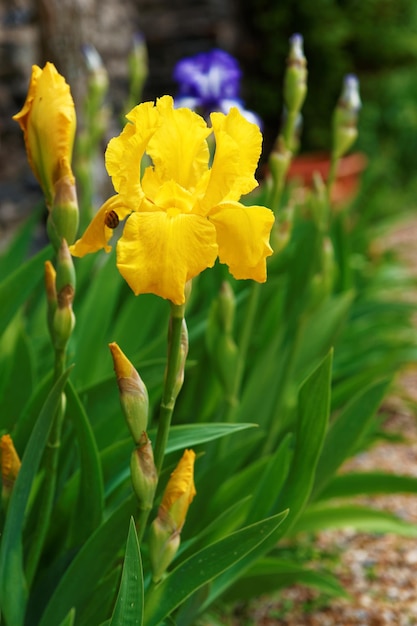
(159, 253)
(238, 147)
(243, 238)
(178, 148)
(124, 153)
(97, 234)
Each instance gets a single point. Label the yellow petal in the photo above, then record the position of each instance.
(97, 234)
(178, 148)
(243, 238)
(124, 153)
(48, 122)
(238, 147)
(180, 490)
(159, 252)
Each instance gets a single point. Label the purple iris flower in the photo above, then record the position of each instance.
(210, 81)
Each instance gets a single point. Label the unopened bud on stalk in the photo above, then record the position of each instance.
(182, 357)
(226, 307)
(50, 289)
(64, 215)
(138, 67)
(345, 117)
(65, 271)
(10, 466)
(143, 473)
(295, 79)
(164, 533)
(98, 79)
(63, 321)
(132, 393)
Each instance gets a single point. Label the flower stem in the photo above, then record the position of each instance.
(170, 390)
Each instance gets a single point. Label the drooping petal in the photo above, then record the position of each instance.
(159, 252)
(178, 148)
(98, 234)
(243, 238)
(124, 153)
(238, 147)
(48, 122)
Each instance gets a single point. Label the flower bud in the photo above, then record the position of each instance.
(10, 465)
(164, 534)
(63, 215)
(143, 473)
(345, 117)
(63, 321)
(48, 122)
(51, 296)
(138, 68)
(132, 393)
(65, 271)
(182, 357)
(295, 79)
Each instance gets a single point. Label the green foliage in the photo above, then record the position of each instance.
(283, 385)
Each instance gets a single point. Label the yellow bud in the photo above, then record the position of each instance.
(48, 122)
(10, 465)
(179, 492)
(164, 533)
(132, 392)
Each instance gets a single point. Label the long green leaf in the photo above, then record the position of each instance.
(114, 458)
(313, 407)
(275, 474)
(314, 401)
(202, 567)
(89, 510)
(17, 286)
(270, 574)
(95, 558)
(369, 483)
(69, 619)
(128, 610)
(346, 431)
(13, 589)
(364, 519)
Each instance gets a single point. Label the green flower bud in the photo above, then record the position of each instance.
(182, 357)
(345, 117)
(63, 216)
(65, 270)
(143, 473)
(132, 393)
(63, 321)
(295, 79)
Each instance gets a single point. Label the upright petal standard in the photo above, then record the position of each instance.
(181, 213)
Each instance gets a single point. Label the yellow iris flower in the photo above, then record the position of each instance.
(48, 122)
(182, 213)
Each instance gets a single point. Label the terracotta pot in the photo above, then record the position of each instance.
(347, 180)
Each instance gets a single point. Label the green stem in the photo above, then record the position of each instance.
(170, 390)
